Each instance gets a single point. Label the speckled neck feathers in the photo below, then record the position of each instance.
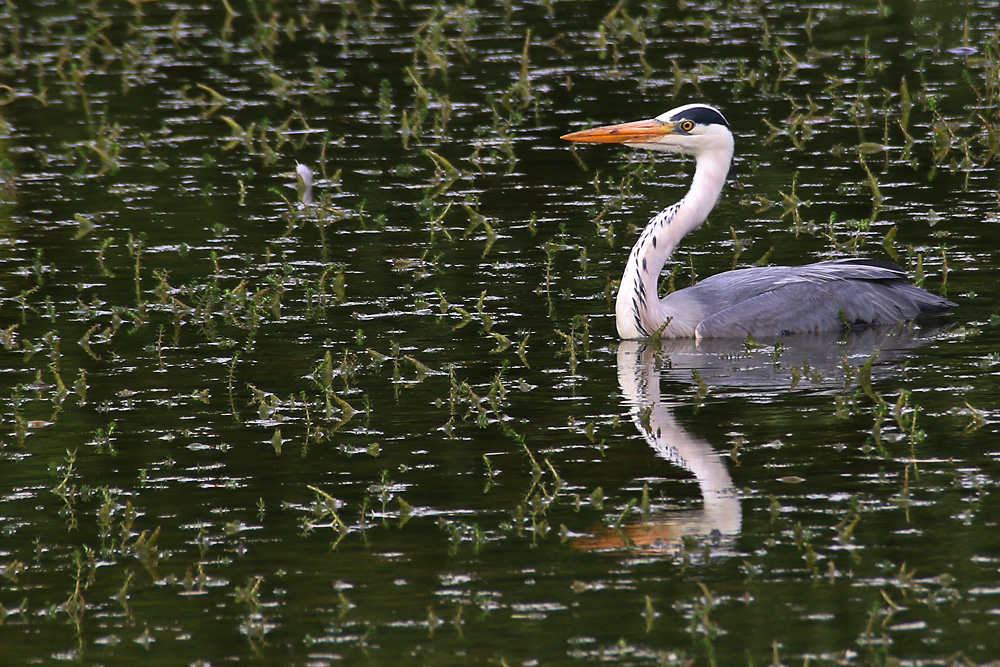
(639, 311)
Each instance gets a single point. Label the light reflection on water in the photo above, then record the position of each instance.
(440, 464)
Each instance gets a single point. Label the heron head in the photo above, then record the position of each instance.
(692, 129)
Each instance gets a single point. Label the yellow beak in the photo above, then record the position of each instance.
(636, 132)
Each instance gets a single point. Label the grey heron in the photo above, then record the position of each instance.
(759, 301)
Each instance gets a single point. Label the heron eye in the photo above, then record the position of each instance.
(687, 125)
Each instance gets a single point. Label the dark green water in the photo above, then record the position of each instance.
(398, 427)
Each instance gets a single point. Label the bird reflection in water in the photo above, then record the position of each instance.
(720, 514)
(732, 369)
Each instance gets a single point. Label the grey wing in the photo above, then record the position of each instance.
(818, 297)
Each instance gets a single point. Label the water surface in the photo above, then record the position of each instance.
(397, 426)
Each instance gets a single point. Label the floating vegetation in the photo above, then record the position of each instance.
(309, 356)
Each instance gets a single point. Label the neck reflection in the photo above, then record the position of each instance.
(720, 514)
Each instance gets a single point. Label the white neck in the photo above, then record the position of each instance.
(639, 311)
